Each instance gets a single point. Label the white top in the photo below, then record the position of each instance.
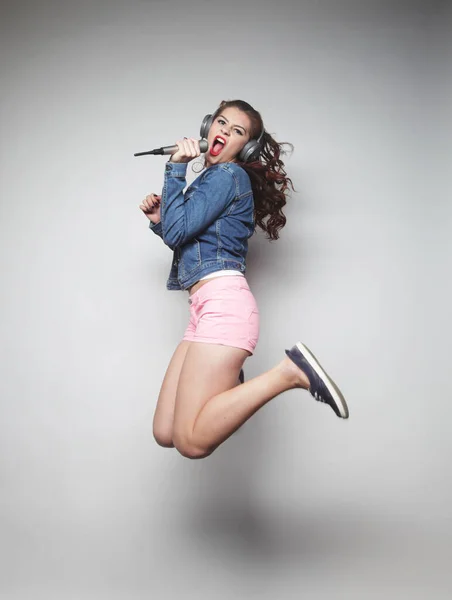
(223, 273)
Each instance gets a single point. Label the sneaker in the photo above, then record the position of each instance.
(322, 387)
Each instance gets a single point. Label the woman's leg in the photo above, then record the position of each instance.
(164, 412)
(209, 408)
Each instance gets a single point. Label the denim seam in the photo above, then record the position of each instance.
(219, 244)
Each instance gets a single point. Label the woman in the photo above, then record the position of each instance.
(243, 185)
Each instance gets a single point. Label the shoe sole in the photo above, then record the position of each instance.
(332, 387)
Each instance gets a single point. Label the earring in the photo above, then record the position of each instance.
(197, 166)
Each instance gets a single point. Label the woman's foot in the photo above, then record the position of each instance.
(292, 374)
(319, 384)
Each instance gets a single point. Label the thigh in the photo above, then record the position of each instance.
(164, 412)
(208, 370)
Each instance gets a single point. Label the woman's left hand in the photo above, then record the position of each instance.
(151, 207)
(188, 149)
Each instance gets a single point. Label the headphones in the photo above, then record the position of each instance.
(250, 151)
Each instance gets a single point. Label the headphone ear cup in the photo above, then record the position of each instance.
(205, 126)
(250, 151)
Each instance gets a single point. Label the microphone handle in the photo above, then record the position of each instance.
(168, 150)
(203, 146)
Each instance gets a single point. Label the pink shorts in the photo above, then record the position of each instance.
(224, 311)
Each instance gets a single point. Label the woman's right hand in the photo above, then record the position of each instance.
(151, 207)
(188, 149)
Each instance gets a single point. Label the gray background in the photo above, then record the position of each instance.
(297, 504)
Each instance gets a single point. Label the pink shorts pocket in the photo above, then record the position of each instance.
(253, 328)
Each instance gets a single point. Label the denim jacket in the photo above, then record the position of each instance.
(209, 225)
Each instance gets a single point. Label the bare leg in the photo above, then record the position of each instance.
(164, 412)
(208, 406)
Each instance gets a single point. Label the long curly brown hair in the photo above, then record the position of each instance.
(268, 177)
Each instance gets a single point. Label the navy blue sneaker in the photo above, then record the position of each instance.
(322, 387)
(242, 376)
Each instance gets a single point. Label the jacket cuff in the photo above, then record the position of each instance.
(176, 169)
(156, 227)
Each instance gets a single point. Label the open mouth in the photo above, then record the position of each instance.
(217, 145)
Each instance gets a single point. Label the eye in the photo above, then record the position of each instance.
(221, 121)
(239, 131)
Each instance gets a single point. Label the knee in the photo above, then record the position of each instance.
(163, 437)
(188, 449)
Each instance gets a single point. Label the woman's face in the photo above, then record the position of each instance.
(229, 132)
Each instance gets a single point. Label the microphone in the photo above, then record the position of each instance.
(203, 146)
